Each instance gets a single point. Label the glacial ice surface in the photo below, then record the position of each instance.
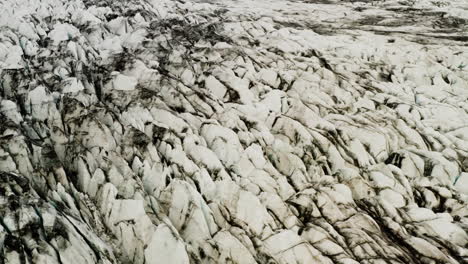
(267, 131)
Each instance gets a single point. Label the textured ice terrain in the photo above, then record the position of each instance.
(233, 131)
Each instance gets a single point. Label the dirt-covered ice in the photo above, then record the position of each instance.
(209, 131)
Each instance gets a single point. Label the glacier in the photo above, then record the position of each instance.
(209, 131)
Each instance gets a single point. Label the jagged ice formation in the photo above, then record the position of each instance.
(268, 131)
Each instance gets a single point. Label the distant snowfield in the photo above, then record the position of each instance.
(214, 131)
